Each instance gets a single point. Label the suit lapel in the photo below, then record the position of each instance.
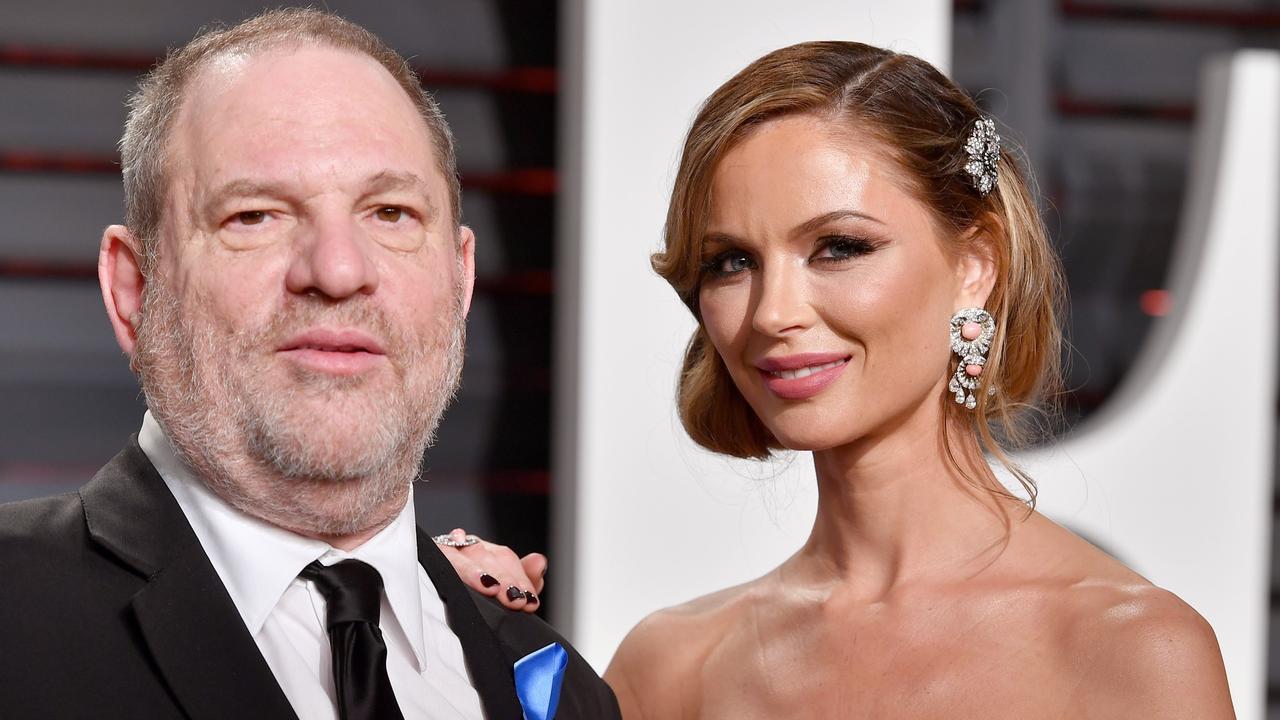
(189, 623)
(490, 668)
(191, 627)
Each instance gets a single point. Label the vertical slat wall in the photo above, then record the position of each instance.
(67, 399)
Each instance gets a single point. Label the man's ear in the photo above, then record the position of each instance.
(120, 276)
(467, 248)
(975, 268)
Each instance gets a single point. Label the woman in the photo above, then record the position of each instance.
(842, 225)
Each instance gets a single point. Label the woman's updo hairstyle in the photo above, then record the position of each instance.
(922, 120)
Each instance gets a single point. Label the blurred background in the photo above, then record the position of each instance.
(1102, 93)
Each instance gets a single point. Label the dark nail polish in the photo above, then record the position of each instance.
(488, 580)
(533, 599)
(514, 593)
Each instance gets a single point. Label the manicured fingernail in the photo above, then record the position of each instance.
(488, 580)
(514, 593)
(533, 599)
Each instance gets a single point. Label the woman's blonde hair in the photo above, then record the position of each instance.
(922, 120)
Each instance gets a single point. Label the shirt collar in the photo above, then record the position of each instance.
(256, 580)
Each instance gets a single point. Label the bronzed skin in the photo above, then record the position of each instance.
(917, 595)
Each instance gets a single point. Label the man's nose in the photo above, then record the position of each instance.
(332, 257)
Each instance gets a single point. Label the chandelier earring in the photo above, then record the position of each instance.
(971, 332)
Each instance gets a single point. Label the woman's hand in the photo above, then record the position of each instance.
(496, 571)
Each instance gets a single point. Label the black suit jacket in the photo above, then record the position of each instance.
(109, 608)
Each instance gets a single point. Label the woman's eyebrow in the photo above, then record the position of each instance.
(719, 238)
(817, 222)
(713, 242)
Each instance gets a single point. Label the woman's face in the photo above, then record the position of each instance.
(827, 288)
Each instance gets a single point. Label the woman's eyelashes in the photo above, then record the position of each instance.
(840, 248)
(728, 263)
(830, 250)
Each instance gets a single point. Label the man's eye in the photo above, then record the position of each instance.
(390, 214)
(251, 217)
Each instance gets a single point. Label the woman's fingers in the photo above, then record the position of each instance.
(496, 571)
(535, 568)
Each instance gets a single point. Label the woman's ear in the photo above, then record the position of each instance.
(122, 282)
(975, 268)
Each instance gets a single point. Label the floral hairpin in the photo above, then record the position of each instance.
(983, 149)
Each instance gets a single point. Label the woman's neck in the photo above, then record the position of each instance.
(895, 507)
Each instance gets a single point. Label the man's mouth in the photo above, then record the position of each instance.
(331, 348)
(336, 341)
(334, 352)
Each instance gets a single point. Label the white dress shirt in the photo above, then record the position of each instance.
(259, 565)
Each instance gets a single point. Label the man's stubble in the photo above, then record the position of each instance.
(321, 455)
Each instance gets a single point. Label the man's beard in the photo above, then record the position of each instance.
(321, 454)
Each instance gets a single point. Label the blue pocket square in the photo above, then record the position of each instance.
(538, 678)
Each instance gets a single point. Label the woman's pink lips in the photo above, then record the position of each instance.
(804, 387)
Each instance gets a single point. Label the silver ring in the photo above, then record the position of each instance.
(448, 541)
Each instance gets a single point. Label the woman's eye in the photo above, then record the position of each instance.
(251, 217)
(841, 248)
(729, 263)
(390, 214)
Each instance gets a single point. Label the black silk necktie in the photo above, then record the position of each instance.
(353, 591)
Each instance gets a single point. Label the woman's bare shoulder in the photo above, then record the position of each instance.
(653, 671)
(1146, 651)
(1140, 647)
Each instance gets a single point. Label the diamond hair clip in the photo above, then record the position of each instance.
(983, 149)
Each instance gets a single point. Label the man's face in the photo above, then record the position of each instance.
(303, 330)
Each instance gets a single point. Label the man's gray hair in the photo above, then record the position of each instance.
(154, 106)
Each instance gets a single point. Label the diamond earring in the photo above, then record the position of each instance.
(971, 333)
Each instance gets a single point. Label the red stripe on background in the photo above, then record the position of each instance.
(526, 181)
(536, 80)
(1083, 107)
(1224, 17)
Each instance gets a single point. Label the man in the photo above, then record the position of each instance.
(290, 288)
